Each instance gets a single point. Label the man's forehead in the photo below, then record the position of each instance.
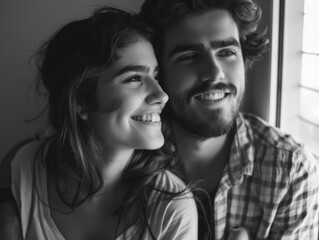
(214, 25)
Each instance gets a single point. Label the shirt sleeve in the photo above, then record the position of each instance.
(180, 221)
(297, 215)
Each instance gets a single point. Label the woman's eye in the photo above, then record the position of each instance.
(134, 79)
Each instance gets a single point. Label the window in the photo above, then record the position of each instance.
(300, 74)
(309, 110)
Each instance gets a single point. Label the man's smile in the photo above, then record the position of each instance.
(212, 95)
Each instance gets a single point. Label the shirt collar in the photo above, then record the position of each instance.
(241, 160)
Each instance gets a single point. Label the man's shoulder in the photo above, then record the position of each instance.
(265, 134)
(275, 149)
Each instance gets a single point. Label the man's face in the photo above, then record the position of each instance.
(203, 72)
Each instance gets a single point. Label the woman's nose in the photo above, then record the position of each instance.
(157, 95)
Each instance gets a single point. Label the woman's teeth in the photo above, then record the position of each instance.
(154, 117)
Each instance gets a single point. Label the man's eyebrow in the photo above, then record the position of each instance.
(184, 48)
(198, 47)
(132, 68)
(225, 43)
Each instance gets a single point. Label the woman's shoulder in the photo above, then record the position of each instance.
(169, 181)
(173, 210)
(26, 154)
(169, 187)
(17, 156)
(25, 162)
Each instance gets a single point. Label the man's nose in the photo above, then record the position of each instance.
(213, 70)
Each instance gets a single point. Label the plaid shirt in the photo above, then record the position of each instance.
(270, 185)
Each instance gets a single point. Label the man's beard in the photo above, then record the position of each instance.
(213, 123)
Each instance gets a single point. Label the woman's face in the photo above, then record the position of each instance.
(130, 101)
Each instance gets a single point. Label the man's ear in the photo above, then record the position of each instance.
(81, 112)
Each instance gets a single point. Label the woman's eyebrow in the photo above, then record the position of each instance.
(133, 68)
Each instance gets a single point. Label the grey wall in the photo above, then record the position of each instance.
(257, 96)
(24, 25)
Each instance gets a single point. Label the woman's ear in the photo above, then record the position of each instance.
(81, 112)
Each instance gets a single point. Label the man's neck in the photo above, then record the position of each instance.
(202, 159)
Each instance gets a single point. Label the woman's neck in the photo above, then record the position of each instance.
(111, 171)
(115, 162)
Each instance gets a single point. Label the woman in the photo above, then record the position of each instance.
(92, 179)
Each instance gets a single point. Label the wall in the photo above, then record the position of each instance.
(262, 78)
(24, 25)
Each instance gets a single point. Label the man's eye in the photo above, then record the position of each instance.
(227, 53)
(186, 58)
(156, 77)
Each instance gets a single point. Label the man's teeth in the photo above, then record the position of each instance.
(154, 117)
(211, 96)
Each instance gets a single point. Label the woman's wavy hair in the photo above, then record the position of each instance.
(70, 64)
(161, 14)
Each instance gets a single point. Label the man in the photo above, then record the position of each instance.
(257, 177)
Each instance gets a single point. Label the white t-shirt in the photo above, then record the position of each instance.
(174, 219)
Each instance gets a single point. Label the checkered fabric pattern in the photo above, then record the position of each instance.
(270, 185)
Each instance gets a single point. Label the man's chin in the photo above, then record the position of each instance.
(214, 124)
